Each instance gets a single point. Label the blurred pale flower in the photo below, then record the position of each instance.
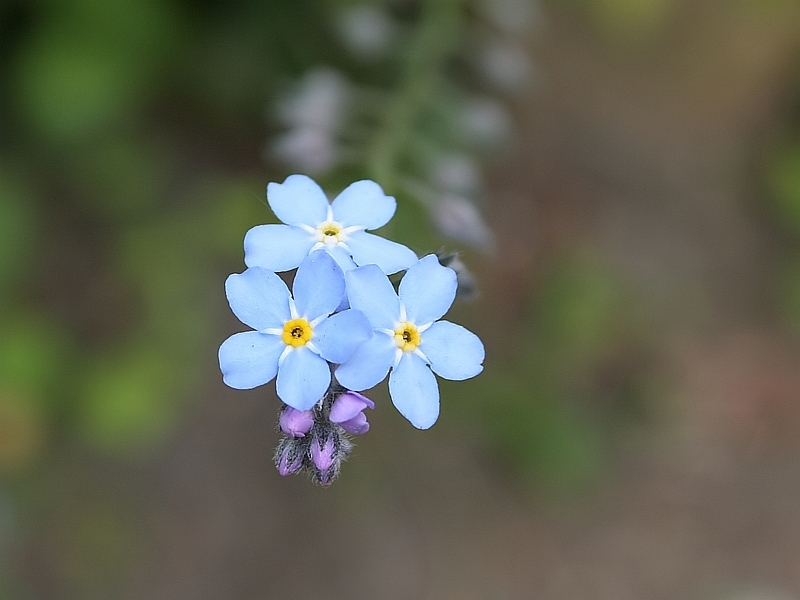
(506, 65)
(314, 114)
(459, 219)
(307, 149)
(467, 284)
(312, 223)
(409, 338)
(293, 338)
(485, 121)
(366, 29)
(513, 16)
(318, 101)
(456, 173)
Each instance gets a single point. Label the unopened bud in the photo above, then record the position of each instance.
(296, 423)
(323, 454)
(326, 477)
(348, 412)
(357, 425)
(289, 457)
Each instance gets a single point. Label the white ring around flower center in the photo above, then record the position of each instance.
(406, 337)
(330, 233)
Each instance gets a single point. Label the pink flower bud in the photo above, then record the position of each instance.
(357, 425)
(289, 461)
(323, 454)
(348, 412)
(296, 423)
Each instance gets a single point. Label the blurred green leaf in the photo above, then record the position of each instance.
(129, 401)
(537, 433)
(581, 309)
(789, 295)
(18, 231)
(33, 351)
(22, 430)
(783, 177)
(558, 446)
(121, 177)
(412, 226)
(92, 62)
(138, 30)
(68, 88)
(231, 206)
(627, 21)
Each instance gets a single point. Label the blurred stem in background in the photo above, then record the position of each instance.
(436, 38)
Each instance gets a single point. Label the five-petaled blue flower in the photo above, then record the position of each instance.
(311, 224)
(294, 337)
(409, 338)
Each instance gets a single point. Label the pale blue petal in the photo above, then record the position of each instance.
(427, 290)
(258, 297)
(363, 204)
(370, 291)
(369, 364)
(370, 249)
(454, 352)
(338, 336)
(318, 286)
(298, 201)
(276, 247)
(303, 379)
(342, 257)
(414, 391)
(249, 359)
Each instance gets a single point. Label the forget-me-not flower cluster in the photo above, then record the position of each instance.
(343, 328)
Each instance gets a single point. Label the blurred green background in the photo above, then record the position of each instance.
(622, 180)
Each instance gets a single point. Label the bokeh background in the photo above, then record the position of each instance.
(622, 181)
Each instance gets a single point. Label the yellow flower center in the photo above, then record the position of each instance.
(406, 336)
(297, 333)
(330, 233)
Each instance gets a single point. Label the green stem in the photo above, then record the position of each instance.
(435, 40)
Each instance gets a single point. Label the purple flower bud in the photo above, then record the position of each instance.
(323, 454)
(296, 423)
(348, 412)
(326, 477)
(357, 425)
(290, 460)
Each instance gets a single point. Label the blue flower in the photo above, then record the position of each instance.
(294, 337)
(409, 338)
(311, 223)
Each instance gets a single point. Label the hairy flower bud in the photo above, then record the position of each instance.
(323, 453)
(289, 456)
